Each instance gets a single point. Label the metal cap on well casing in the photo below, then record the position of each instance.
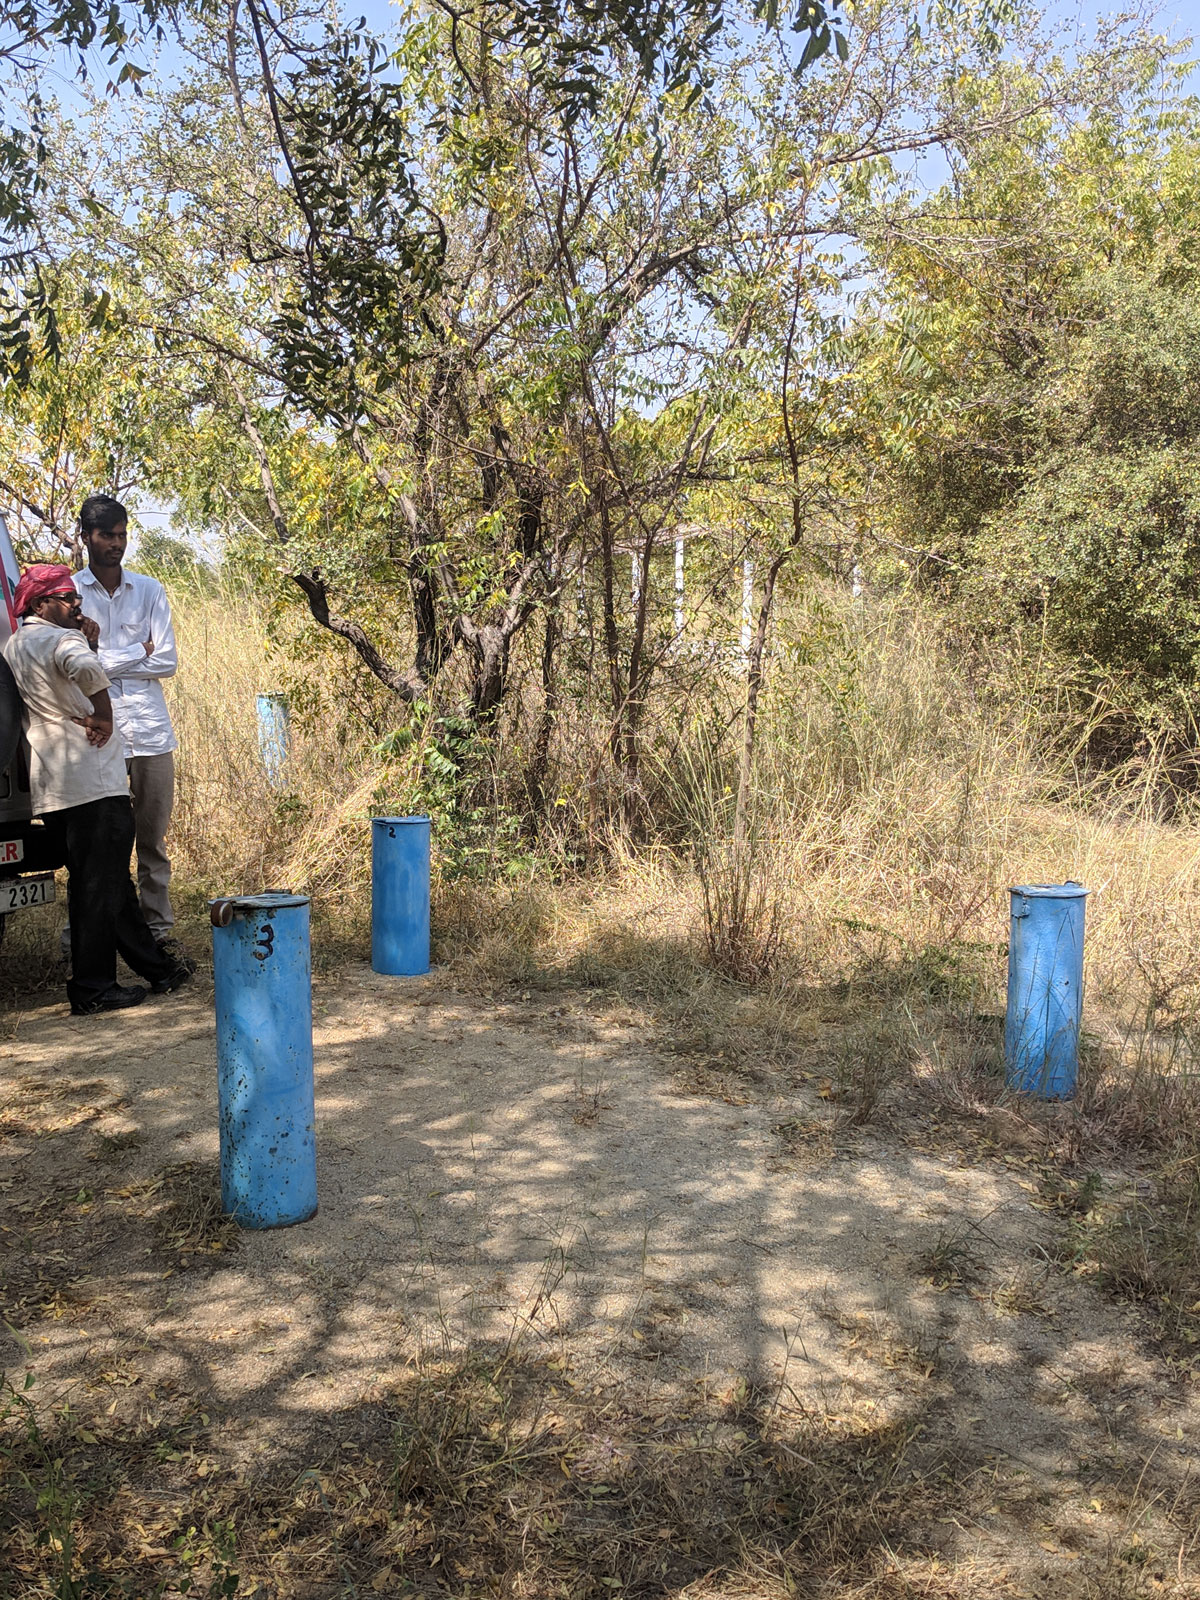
(224, 908)
(1050, 891)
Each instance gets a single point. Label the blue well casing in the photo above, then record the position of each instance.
(274, 736)
(263, 979)
(400, 895)
(1045, 989)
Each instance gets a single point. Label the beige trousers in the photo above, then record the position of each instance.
(152, 786)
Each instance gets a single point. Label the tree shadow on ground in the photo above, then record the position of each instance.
(557, 1329)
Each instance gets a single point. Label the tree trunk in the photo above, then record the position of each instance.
(488, 646)
(539, 761)
(612, 648)
(635, 699)
(754, 682)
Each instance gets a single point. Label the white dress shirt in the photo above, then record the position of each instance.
(57, 672)
(136, 610)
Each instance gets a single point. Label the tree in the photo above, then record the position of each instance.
(80, 423)
(33, 35)
(1050, 475)
(569, 46)
(465, 353)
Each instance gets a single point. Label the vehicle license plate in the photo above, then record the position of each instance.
(17, 893)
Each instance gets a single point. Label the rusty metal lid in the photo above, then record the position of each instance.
(222, 910)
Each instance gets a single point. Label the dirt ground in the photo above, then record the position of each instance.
(533, 1171)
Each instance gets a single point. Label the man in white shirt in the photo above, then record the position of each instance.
(129, 623)
(80, 790)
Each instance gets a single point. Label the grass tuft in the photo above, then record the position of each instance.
(182, 1203)
(490, 1472)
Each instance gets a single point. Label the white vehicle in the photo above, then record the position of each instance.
(27, 864)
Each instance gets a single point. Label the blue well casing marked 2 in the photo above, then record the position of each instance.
(1045, 989)
(263, 979)
(274, 736)
(400, 896)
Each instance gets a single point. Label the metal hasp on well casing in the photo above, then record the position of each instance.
(400, 896)
(1045, 989)
(274, 736)
(263, 978)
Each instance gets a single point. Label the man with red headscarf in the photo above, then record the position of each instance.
(81, 791)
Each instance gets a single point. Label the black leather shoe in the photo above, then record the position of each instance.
(174, 951)
(117, 998)
(179, 974)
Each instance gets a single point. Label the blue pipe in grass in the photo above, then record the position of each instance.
(263, 981)
(274, 737)
(1045, 989)
(400, 895)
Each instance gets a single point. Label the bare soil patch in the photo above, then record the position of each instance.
(564, 1325)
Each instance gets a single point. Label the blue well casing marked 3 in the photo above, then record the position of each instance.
(400, 896)
(262, 974)
(1045, 989)
(274, 736)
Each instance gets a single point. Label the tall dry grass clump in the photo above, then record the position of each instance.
(233, 829)
(895, 789)
(901, 782)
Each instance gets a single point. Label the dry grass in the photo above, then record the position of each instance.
(499, 1472)
(901, 785)
(183, 1204)
(232, 830)
(900, 788)
(1138, 1240)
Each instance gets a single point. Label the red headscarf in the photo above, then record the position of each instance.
(39, 581)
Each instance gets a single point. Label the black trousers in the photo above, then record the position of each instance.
(96, 840)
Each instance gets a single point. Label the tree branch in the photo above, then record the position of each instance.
(408, 685)
(259, 451)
